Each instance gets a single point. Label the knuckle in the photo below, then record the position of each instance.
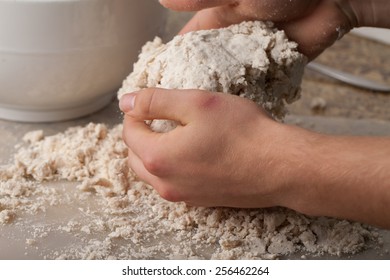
(169, 193)
(154, 164)
(207, 101)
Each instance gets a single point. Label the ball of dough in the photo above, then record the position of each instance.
(252, 59)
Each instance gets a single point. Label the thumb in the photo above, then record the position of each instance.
(157, 103)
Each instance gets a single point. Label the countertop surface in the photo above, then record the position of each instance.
(343, 110)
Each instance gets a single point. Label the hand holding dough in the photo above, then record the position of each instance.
(252, 59)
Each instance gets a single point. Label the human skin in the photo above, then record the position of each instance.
(245, 159)
(314, 24)
(229, 152)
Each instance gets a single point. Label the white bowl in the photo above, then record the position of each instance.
(62, 59)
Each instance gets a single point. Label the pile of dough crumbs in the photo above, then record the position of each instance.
(131, 221)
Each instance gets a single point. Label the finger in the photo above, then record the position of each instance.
(194, 5)
(157, 103)
(224, 16)
(276, 11)
(144, 175)
(313, 36)
(207, 19)
(138, 136)
(152, 148)
(138, 167)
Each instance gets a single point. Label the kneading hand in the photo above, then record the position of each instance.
(228, 152)
(313, 24)
(225, 152)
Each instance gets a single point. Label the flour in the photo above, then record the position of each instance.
(130, 220)
(133, 215)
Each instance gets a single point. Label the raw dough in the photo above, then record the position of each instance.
(251, 59)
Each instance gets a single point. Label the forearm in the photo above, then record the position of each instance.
(373, 13)
(345, 177)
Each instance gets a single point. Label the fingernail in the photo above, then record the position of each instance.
(126, 103)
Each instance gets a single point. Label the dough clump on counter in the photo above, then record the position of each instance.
(252, 59)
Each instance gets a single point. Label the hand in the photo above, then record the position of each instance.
(313, 24)
(225, 152)
(228, 152)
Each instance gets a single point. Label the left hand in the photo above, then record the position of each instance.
(313, 24)
(226, 152)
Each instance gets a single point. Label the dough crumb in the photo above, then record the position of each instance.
(318, 104)
(33, 136)
(6, 216)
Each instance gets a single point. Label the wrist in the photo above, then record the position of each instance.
(288, 160)
(339, 176)
(298, 173)
(372, 13)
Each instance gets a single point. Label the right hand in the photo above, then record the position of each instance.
(213, 158)
(313, 24)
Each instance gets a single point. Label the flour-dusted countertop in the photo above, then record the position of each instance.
(45, 235)
(345, 112)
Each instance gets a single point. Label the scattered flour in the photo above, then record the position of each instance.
(131, 220)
